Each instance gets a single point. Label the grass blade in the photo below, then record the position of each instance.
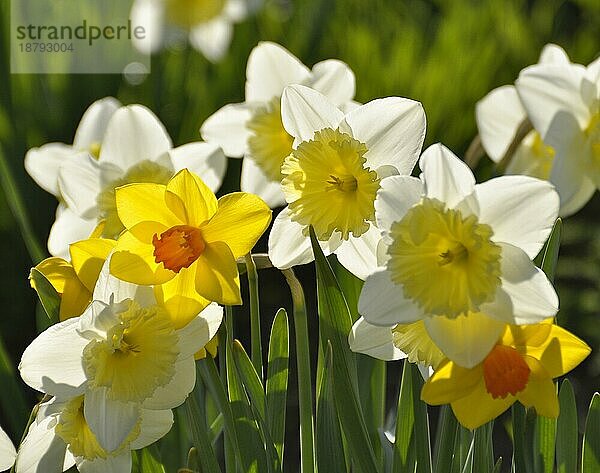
(255, 336)
(277, 380)
(49, 298)
(567, 434)
(544, 442)
(591, 438)
(444, 440)
(550, 251)
(404, 459)
(206, 458)
(421, 428)
(483, 450)
(147, 460)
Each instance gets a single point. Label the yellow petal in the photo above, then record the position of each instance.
(561, 352)
(479, 407)
(138, 203)
(240, 220)
(133, 261)
(88, 256)
(57, 272)
(99, 230)
(210, 348)
(450, 382)
(522, 336)
(180, 298)
(190, 199)
(540, 391)
(74, 300)
(217, 276)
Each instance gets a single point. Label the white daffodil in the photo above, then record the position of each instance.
(338, 163)
(563, 103)
(136, 149)
(7, 451)
(123, 354)
(499, 115)
(207, 23)
(253, 129)
(60, 437)
(459, 255)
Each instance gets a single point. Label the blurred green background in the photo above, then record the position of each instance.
(446, 54)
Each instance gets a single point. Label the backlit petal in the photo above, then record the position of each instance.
(203, 159)
(374, 341)
(144, 202)
(217, 276)
(188, 197)
(88, 256)
(451, 382)
(479, 407)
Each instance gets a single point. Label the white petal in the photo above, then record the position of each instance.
(98, 318)
(393, 129)
(79, 184)
(204, 159)
(200, 330)
(108, 288)
(68, 228)
(521, 210)
(270, 69)
(553, 54)
(499, 115)
(110, 420)
(304, 111)
(134, 134)
(149, 14)
(466, 340)
(212, 38)
(93, 124)
(383, 303)
(545, 89)
(52, 362)
(227, 128)
(42, 451)
(525, 295)
(118, 464)
(396, 195)
(447, 178)
(374, 341)
(237, 10)
(155, 425)
(7, 451)
(288, 246)
(255, 181)
(335, 80)
(360, 255)
(175, 392)
(43, 164)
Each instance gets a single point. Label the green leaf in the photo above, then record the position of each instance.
(483, 450)
(206, 458)
(444, 440)
(463, 451)
(404, 458)
(421, 428)
(498, 466)
(567, 434)
(329, 445)
(147, 460)
(550, 251)
(49, 298)
(256, 343)
(544, 442)
(277, 380)
(591, 438)
(521, 461)
(334, 325)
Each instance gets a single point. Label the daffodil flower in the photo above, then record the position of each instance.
(182, 239)
(7, 451)
(562, 102)
(135, 148)
(207, 23)
(459, 255)
(253, 129)
(520, 367)
(499, 115)
(60, 437)
(75, 280)
(339, 161)
(123, 354)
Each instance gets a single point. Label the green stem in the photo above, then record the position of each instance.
(36, 252)
(256, 345)
(307, 458)
(230, 462)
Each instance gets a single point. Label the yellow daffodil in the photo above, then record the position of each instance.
(180, 238)
(520, 367)
(74, 281)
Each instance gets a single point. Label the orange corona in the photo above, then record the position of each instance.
(505, 372)
(178, 247)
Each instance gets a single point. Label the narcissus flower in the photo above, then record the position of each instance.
(60, 437)
(499, 115)
(520, 367)
(254, 129)
(74, 281)
(180, 237)
(458, 255)
(135, 148)
(562, 102)
(123, 354)
(207, 23)
(7, 451)
(331, 178)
